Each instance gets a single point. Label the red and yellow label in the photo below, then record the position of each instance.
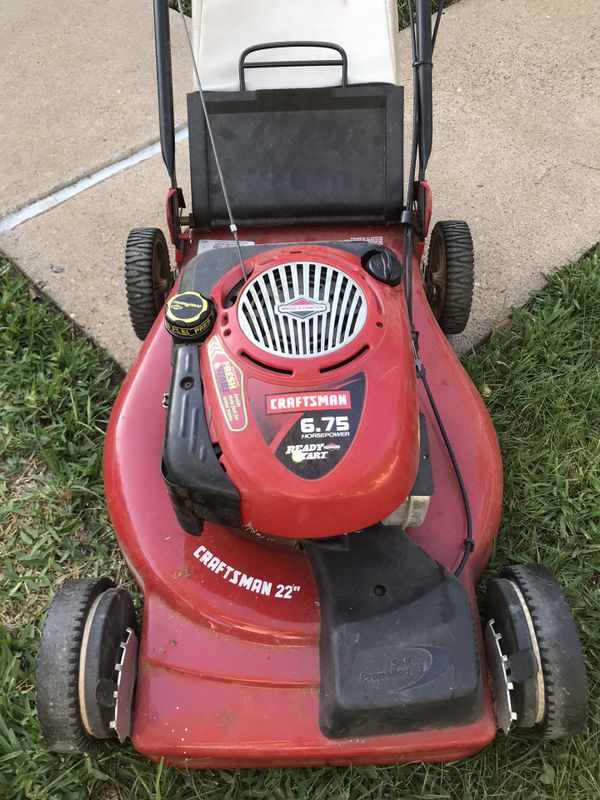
(228, 381)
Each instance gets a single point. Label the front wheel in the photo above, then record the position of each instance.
(86, 666)
(534, 654)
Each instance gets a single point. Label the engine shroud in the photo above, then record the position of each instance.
(309, 391)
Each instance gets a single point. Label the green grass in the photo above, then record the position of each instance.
(541, 382)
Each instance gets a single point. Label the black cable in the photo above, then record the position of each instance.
(416, 110)
(438, 19)
(232, 224)
(407, 253)
(468, 541)
(407, 249)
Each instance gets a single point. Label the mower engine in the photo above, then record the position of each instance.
(293, 407)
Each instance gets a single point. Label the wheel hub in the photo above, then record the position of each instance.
(502, 686)
(436, 283)
(126, 669)
(161, 275)
(107, 649)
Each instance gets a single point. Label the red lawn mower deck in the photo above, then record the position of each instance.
(303, 480)
(232, 621)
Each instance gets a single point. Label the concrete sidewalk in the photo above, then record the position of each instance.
(516, 145)
(76, 91)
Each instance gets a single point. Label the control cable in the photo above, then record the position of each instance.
(408, 220)
(209, 130)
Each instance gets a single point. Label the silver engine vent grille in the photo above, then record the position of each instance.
(302, 309)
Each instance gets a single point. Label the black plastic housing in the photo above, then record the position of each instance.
(423, 486)
(398, 648)
(307, 156)
(197, 484)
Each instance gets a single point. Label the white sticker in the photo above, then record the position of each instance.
(204, 245)
(372, 239)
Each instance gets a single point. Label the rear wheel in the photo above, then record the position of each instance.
(449, 275)
(534, 653)
(79, 661)
(148, 277)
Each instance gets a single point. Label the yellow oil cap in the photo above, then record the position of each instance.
(189, 316)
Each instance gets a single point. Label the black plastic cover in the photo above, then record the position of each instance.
(303, 156)
(398, 646)
(382, 264)
(197, 484)
(206, 269)
(423, 486)
(504, 607)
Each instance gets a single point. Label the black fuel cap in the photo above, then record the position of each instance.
(190, 316)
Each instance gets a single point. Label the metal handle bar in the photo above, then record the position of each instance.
(341, 62)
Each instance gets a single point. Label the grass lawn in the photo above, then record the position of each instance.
(541, 382)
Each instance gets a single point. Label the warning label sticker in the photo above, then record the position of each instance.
(229, 384)
(219, 244)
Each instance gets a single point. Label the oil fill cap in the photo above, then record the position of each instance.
(383, 265)
(189, 316)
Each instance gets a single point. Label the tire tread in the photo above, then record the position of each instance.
(139, 288)
(57, 674)
(460, 275)
(565, 682)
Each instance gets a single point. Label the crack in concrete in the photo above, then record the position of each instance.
(79, 185)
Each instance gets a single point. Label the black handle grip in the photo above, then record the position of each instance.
(341, 62)
(164, 79)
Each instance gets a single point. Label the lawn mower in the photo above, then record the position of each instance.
(303, 480)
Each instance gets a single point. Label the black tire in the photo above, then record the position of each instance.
(148, 277)
(561, 659)
(57, 692)
(449, 275)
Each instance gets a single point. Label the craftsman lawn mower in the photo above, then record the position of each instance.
(303, 480)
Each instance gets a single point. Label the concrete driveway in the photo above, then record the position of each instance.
(516, 150)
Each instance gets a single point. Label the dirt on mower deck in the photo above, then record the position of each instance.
(516, 148)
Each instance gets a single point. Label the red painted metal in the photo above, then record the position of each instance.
(229, 671)
(175, 204)
(428, 207)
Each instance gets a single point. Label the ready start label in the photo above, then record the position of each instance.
(310, 452)
(241, 579)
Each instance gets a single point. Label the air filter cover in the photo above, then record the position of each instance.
(302, 309)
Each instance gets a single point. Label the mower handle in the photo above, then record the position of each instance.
(341, 62)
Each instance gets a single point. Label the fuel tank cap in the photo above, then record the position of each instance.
(189, 316)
